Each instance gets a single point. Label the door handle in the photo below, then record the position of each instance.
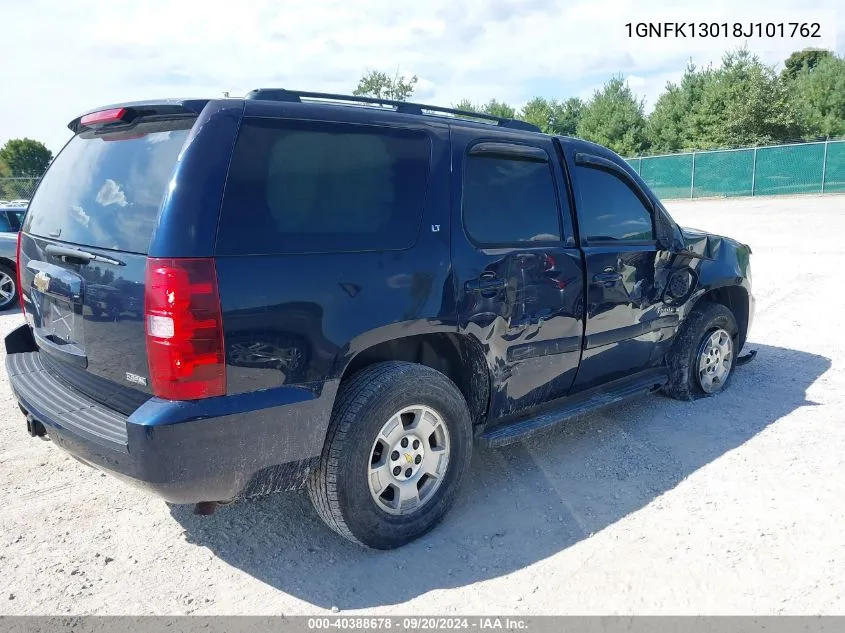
(607, 279)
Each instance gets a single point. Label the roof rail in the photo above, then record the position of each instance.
(404, 107)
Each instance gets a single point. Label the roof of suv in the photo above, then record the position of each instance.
(401, 109)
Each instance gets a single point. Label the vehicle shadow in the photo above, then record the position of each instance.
(521, 504)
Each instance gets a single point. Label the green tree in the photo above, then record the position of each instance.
(819, 94)
(377, 84)
(552, 116)
(5, 172)
(499, 108)
(567, 115)
(614, 118)
(808, 59)
(745, 103)
(540, 112)
(674, 123)
(466, 105)
(492, 107)
(25, 157)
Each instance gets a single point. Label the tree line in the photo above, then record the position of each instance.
(743, 102)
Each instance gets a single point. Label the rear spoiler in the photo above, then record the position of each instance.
(129, 112)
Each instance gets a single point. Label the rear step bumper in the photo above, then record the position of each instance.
(186, 452)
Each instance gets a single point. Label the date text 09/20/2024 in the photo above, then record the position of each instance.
(809, 30)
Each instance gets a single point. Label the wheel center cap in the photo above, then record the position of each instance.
(406, 457)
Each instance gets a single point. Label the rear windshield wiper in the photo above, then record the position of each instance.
(82, 257)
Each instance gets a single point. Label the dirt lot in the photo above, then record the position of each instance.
(734, 504)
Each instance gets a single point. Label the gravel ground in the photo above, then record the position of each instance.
(733, 504)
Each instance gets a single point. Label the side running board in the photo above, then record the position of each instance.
(517, 429)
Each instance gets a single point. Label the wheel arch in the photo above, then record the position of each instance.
(459, 357)
(736, 299)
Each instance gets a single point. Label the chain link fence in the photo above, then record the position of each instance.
(752, 171)
(18, 187)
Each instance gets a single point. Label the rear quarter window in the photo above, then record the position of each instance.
(312, 186)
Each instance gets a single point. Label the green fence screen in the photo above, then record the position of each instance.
(763, 171)
(834, 174)
(669, 176)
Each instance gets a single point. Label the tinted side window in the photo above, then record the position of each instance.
(509, 201)
(609, 209)
(310, 187)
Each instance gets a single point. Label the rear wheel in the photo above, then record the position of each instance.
(398, 448)
(703, 355)
(8, 287)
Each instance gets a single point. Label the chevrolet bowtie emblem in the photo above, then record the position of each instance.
(409, 458)
(41, 281)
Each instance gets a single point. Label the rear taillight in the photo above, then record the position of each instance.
(184, 329)
(19, 263)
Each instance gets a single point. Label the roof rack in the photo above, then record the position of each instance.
(404, 107)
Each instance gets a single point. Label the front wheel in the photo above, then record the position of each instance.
(398, 448)
(703, 356)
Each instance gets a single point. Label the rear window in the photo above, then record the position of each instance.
(310, 187)
(105, 190)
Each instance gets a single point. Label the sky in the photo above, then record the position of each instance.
(64, 58)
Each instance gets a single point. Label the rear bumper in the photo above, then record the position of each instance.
(186, 452)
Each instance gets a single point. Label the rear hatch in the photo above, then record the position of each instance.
(83, 252)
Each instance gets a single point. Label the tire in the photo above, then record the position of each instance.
(9, 286)
(692, 342)
(340, 487)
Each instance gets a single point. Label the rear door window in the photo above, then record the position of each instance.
(509, 201)
(312, 186)
(105, 190)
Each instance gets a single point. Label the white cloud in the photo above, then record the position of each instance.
(158, 137)
(111, 193)
(70, 57)
(78, 213)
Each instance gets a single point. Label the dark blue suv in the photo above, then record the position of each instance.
(226, 298)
